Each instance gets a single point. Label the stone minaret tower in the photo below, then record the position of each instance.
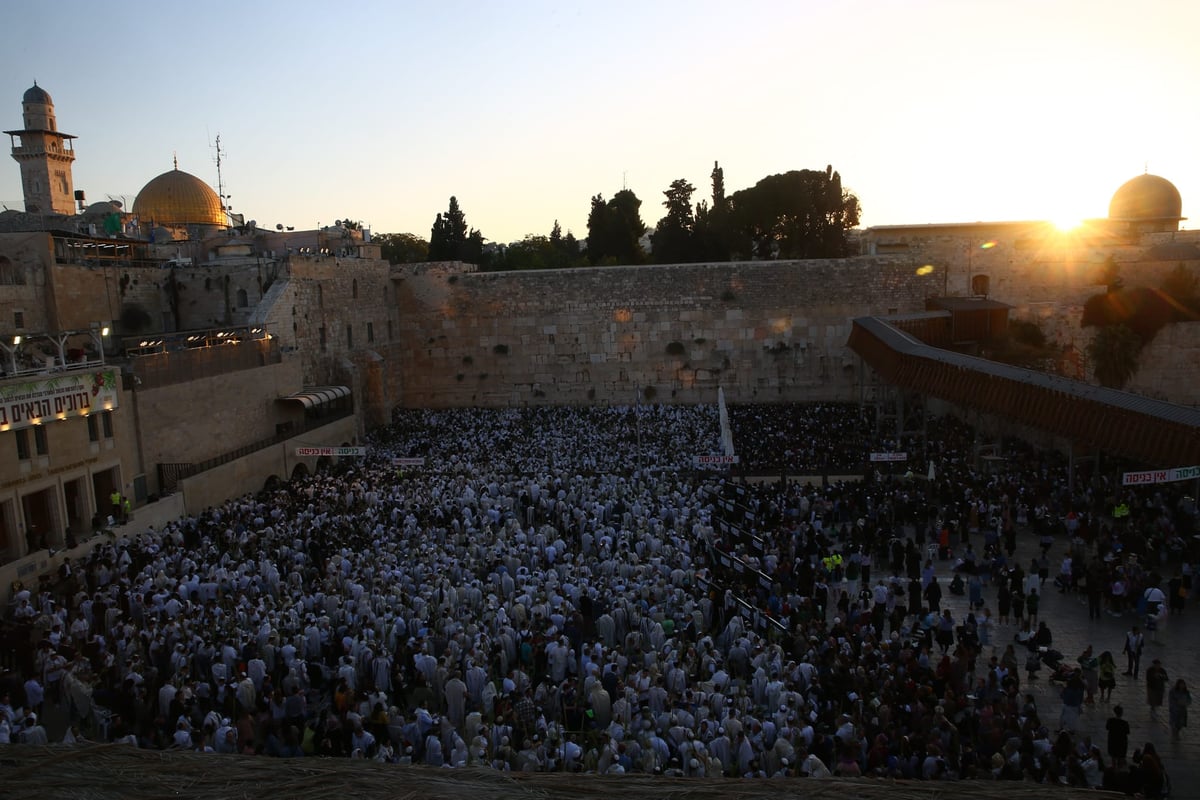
(45, 156)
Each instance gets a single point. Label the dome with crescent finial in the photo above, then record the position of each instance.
(177, 198)
(1146, 198)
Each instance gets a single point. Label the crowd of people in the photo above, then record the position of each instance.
(553, 590)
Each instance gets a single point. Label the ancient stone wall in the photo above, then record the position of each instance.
(1169, 367)
(343, 318)
(219, 294)
(764, 331)
(23, 289)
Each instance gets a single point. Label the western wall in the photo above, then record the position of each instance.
(446, 335)
(763, 331)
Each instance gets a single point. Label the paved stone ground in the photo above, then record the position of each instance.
(1177, 645)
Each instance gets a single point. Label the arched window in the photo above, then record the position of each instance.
(980, 285)
(320, 296)
(11, 274)
(242, 300)
(354, 289)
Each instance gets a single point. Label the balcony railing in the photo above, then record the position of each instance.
(26, 354)
(51, 366)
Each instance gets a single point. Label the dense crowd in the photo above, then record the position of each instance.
(552, 591)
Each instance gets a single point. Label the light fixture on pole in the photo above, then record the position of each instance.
(11, 349)
(100, 331)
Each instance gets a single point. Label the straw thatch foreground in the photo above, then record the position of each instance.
(121, 771)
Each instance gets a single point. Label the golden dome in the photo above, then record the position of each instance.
(1146, 198)
(177, 198)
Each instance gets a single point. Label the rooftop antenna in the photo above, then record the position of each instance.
(220, 181)
(624, 183)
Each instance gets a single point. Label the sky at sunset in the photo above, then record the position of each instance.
(931, 110)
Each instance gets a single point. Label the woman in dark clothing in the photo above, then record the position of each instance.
(1003, 603)
(933, 595)
(1150, 772)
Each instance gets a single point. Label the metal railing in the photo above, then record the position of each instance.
(44, 352)
(6, 370)
(160, 364)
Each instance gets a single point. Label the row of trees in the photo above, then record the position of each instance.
(797, 214)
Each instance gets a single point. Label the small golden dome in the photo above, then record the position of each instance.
(177, 198)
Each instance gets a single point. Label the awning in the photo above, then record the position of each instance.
(318, 395)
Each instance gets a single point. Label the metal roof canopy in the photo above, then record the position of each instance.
(318, 395)
(1152, 431)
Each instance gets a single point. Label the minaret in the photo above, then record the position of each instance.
(45, 156)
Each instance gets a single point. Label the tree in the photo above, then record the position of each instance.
(615, 229)
(798, 214)
(597, 240)
(674, 236)
(556, 251)
(1142, 310)
(1110, 275)
(566, 248)
(711, 237)
(401, 248)
(1182, 290)
(448, 238)
(472, 251)
(1114, 352)
(532, 252)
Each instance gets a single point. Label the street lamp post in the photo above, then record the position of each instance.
(99, 332)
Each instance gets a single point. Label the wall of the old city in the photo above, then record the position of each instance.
(763, 331)
(344, 316)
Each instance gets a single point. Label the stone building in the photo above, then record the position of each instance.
(129, 363)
